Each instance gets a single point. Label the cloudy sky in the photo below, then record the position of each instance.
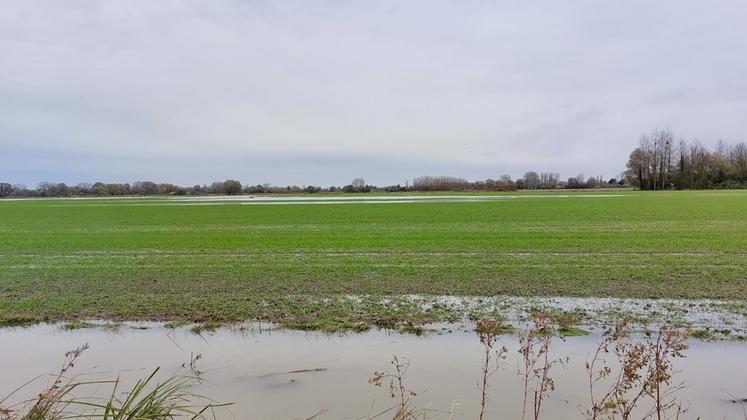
(320, 92)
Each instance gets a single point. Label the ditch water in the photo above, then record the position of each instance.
(253, 369)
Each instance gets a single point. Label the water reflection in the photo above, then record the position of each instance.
(290, 374)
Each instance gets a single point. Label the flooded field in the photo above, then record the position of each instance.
(281, 374)
(217, 200)
(374, 199)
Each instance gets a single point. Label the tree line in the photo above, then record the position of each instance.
(661, 162)
(531, 181)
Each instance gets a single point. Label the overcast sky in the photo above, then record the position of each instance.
(320, 92)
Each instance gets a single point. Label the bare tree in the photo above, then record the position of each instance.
(5, 189)
(531, 180)
(439, 183)
(738, 157)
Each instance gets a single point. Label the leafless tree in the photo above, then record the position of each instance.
(531, 180)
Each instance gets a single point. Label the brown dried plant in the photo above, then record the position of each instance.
(489, 330)
(404, 410)
(644, 370)
(536, 362)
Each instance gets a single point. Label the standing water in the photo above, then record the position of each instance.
(280, 374)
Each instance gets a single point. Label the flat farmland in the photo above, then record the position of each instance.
(325, 258)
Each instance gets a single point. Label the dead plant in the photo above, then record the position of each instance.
(489, 330)
(53, 401)
(536, 362)
(405, 409)
(192, 364)
(644, 370)
(146, 400)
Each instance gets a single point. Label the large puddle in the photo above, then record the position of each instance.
(255, 370)
(373, 198)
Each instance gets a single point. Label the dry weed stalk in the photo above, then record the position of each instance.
(669, 345)
(52, 402)
(404, 410)
(644, 370)
(166, 400)
(535, 353)
(489, 330)
(192, 365)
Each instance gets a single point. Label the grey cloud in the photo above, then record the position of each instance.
(315, 92)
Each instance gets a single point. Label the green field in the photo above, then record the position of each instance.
(163, 259)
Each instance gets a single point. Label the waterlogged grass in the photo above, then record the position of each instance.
(151, 259)
(77, 325)
(166, 399)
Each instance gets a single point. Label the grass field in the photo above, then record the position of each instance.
(167, 259)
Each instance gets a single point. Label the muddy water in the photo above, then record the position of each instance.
(248, 367)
